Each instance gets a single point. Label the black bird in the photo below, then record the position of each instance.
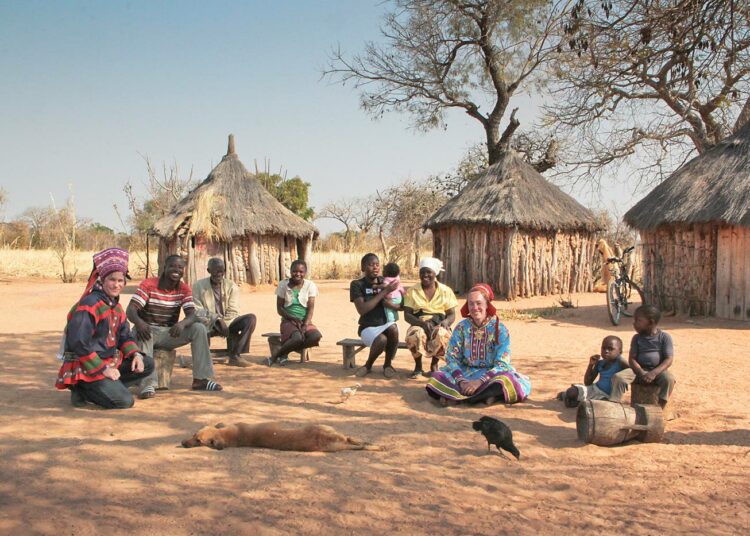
(498, 434)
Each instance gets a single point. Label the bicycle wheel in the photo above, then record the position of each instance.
(628, 303)
(613, 302)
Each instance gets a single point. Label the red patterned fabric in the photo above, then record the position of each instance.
(486, 290)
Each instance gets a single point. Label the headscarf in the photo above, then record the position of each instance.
(106, 262)
(436, 265)
(486, 291)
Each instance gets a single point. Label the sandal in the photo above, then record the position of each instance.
(389, 372)
(416, 373)
(148, 392)
(361, 372)
(206, 385)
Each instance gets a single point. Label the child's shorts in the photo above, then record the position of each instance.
(590, 392)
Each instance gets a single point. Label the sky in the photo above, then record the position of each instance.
(91, 88)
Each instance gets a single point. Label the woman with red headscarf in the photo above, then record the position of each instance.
(478, 365)
(100, 355)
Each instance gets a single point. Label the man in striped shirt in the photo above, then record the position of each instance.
(154, 311)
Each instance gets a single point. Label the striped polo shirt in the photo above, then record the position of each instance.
(161, 307)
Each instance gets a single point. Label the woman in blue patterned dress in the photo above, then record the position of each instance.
(478, 365)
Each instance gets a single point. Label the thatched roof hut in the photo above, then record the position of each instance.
(516, 231)
(695, 233)
(231, 215)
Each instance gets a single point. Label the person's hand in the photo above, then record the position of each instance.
(470, 387)
(137, 365)
(176, 330)
(142, 330)
(446, 324)
(111, 372)
(390, 287)
(594, 359)
(428, 327)
(648, 377)
(221, 327)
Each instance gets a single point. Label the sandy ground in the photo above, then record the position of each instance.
(87, 471)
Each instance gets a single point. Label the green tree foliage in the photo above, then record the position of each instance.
(292, 193)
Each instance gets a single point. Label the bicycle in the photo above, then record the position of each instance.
(620, 289)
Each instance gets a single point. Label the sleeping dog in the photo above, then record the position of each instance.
(311, 438)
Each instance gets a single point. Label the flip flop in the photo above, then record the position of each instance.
(361, 372)
(416, 374)
(206, 385)
(389, 372)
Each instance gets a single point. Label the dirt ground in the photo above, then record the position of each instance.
(87, 471)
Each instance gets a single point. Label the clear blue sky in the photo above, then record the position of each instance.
(89, 86)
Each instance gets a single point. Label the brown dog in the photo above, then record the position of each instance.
(316, 437)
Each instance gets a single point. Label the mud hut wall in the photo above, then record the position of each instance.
(733, 273)
(679, 267)
(516, 263)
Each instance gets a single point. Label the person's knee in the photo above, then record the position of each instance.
(197, 330)
(123, 399)
(313, 338)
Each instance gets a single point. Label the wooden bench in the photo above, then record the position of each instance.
(351, 347)
(274, 343)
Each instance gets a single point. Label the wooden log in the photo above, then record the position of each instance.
(164, 361)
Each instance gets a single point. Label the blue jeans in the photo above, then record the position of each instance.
(111, 394)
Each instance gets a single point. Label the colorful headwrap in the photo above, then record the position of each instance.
(106, 262)
(486, 291)
(436, 265)
(111, 260)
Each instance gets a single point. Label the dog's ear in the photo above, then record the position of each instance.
(220, 425)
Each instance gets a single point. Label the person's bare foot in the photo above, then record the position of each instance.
(445, 402)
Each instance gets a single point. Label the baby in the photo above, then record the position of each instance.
(603, 366)
(391, 273)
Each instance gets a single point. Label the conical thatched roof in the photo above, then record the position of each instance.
(512, 193)
(712, 187)
(231, 202)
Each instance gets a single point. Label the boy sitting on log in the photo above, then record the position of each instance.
(651, 354)
(604, 366)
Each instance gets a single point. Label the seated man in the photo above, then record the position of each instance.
(217, 303)
(154, 311)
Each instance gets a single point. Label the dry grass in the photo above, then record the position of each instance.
(23, 263)
(342, 265)
(43, 263)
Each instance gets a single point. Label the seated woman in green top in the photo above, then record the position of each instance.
(295, 303)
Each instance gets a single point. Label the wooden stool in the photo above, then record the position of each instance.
(164, 361)
(648, 394)
(643, 393)
(274, 343)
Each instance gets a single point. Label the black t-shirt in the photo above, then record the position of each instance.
(362, 288)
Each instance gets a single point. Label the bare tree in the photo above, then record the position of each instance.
(405, 207)
(63, 230)
(342, 211)
(661, 78)
(471, 56)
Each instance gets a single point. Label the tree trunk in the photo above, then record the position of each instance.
(744, 116)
